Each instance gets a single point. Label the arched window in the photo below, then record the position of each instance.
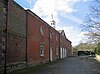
(42, 30)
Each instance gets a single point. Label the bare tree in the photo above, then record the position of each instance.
(92, 22)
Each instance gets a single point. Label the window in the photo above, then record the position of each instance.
(42, 30)
(42, 49)
(57, 51)
(4, 22)
(56, 37)
(3, 46)
(2, 62)
(3, 39)
(50, 35)
(3, 43)
(2, 54)
(3, 34)
(4, 10)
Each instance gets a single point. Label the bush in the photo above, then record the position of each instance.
(97, 49)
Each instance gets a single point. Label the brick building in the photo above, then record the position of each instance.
(29, 39)
(53, 44)
(42, 40)
(44, 43)
(65, 45)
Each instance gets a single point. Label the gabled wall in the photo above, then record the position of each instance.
(16, 19)
(65, 45)
(35, 38)
(54, 43)
(16, 35)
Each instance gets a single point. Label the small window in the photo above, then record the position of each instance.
(42, 30)
(3, 44)
(2, 54)
(50, 35)
(42, 49)
(3, 34)
(57, 51)
(4, 10)
(2, 62)
(4, 21)
(56, 37)
(3, 39)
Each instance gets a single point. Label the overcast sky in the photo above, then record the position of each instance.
(68, 14)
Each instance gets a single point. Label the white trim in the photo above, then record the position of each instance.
(61, 53)
(50, 53)
(42, 30)
(42, 49)
(57, 51)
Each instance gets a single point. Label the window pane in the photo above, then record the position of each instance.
(41, 49)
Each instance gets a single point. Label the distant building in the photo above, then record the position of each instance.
(65, 45)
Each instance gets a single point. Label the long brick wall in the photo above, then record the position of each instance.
(35, 38)
(16, 36)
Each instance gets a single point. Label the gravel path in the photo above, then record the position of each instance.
(73, 65)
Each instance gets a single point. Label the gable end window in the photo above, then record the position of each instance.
(42, 30)
(57, 51)
(42, 49)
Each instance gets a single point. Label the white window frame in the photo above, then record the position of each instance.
(50, 35)
(56, 37)
(57, 51)
(3, 43)
(41, 49)
(42, 30)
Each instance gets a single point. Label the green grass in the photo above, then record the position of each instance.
(30, 70)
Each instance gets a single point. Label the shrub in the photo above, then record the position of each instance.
(97, 49)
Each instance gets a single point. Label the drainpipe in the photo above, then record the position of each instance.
(49, 43)
(26, 38)
(59, 46)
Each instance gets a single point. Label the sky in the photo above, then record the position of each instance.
(68, 15)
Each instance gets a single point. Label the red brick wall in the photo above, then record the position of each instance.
(35, 38)
(70, 49)
(16, 19)
(16, 40)
(66, 44)
(16, 48)
(17, 37)
(54, 42)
